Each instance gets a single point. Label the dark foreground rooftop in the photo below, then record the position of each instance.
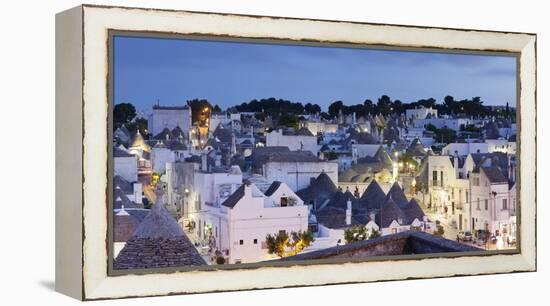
(405, 243)
(158, 242)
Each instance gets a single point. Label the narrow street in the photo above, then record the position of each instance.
(148, 190)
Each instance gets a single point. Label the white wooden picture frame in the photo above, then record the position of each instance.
(82, 106)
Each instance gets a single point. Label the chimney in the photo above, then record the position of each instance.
(248, 189)
(372, 217)
(456, 164)
(511, 169)
(348, 212)
(204, 162)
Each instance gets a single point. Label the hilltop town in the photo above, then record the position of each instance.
(275, 180)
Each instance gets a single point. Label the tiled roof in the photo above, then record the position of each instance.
(117, 152)
(335, 218)
(413, 211)
(319, 190)
(233, 199)
(303, 132)
(409, 242)
(494, 174)
(389, 212)
(149, 253)
(373, 197)
(272, 188)
(127, 187)
(261, 156)
(158, 242)
(120, 199)
(125, 225)
(416, 148)
(397, 195)
(158, 223)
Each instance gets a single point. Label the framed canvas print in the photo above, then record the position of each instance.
(201, 152)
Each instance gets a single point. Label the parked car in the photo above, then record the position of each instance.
(465, 236)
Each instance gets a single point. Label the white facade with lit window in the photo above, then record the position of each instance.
(239, 231)
(449, 190)
(493, 205)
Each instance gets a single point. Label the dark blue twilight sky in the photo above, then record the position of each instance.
(229, 73)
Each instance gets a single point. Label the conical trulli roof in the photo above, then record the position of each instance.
(158, 223)
(373, 197)
(413, 211)
(158, 242)
(139, 142)
(396, 193)
(390, 212)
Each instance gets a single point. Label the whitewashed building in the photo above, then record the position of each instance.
(297, 169)
(493, 202)
(302, 140)
(319, 127)
(125, 164)
(501, 145)
(449, 189)
(238, 224)
(465, 148)
(420, 113)
(451, 123)
(169, 117)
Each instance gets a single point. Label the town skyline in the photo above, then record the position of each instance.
(148, 71)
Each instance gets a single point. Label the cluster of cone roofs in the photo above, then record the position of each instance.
(331, 205)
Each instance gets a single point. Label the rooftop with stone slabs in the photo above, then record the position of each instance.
(158, 242)
(405, 243)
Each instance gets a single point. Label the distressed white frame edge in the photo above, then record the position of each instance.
(97, 22)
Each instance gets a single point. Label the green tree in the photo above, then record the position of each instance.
(123, 113)
(356, 233)
(440, 231)
(138, 124)
(359, 233)
(200, 110)
(384, 104)
(289, 120)
(445, 135)
(334, 108)
(284, 245)
(331, 155)
(374, 233)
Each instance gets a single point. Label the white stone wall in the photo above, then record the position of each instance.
(501, 145)
(316, 127)
(159, 158)
(453, 124)
(420, 113)
(465, 148)
(253, 218)
(451, 199)
(169, 118)
(294, 143)
(494, 216)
